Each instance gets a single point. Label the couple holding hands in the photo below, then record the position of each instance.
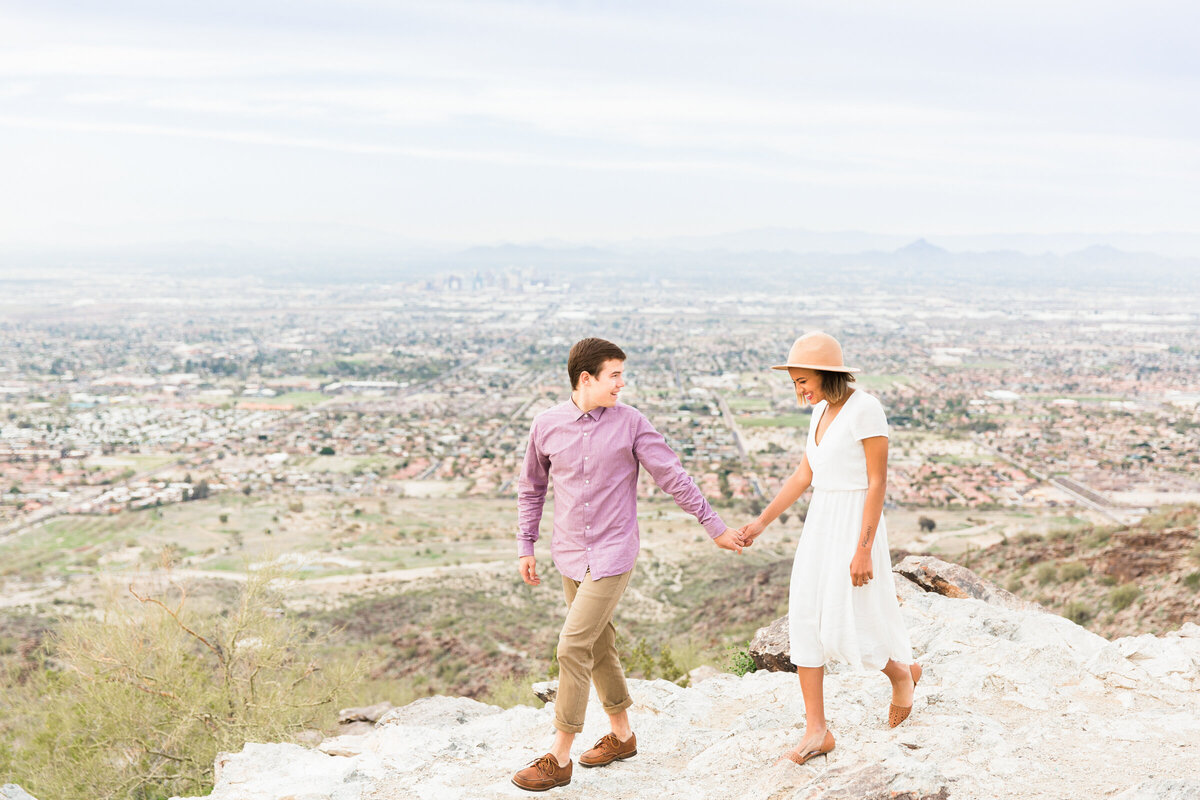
(842, 603)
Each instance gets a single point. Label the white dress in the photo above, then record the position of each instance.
(828, 617)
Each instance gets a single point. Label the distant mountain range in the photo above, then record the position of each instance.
(918, 262)
(770, 255)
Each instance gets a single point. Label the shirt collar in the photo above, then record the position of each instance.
(576, 414)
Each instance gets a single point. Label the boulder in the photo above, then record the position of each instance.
(951, 580)
(546, 691)
(364, 714)
(770, 647)
(702, 673)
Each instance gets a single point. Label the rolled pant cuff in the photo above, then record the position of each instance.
(567, 727)
(619, 707)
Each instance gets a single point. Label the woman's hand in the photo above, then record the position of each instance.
(751, 531)
(861, 570)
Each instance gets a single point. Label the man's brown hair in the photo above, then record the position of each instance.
(589, 355)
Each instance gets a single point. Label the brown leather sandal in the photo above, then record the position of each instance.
(826, 745)
(897, 714)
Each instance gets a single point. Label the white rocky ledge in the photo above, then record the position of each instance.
(1013, 703)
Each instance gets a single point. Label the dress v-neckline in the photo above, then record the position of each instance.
(831, 422)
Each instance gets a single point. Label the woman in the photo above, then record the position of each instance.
(842, 604)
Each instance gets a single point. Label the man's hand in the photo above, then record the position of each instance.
(751, 531)
(861, 570)
(529, 570)
(729, 540)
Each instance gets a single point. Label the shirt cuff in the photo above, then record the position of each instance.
(715, 527)
(524, 548)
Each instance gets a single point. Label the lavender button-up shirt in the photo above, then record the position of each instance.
(594, 459)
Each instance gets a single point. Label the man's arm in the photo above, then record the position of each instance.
(652, 452)
(531, 498)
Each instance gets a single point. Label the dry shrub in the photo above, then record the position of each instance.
(138, 701)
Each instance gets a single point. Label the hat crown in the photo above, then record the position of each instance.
(818, 349)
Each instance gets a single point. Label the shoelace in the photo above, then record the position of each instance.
(547, 764)
(610, 741)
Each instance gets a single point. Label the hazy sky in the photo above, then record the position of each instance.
(246, 121)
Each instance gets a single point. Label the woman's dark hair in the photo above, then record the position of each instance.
(835, 385)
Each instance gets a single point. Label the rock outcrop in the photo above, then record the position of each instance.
(934, 575)
(1013, 703)
(10, 791)
(770, 648)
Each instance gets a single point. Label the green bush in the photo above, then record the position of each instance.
(740, 661)
(511, 690)
(137, 701)
(1060, 534)
(1192, 581)
(1046, 573)
(639, 661)
(1015, 585)
(1073, 571)
(1123, 596)
(1078, 612)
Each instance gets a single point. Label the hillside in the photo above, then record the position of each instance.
(1013, 703)
(1144, 578)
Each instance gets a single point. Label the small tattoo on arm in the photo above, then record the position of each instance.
(866, 537)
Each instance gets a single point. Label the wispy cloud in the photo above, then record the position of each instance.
(759, 108)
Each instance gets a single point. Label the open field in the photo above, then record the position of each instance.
(298, 399)
(781, 421)
(339, 543)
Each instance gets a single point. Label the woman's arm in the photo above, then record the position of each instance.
(796, 484)
(876, 450)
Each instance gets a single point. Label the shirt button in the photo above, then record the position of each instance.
(585, 434)
(589, 549)
(587, 504)
(589, 527)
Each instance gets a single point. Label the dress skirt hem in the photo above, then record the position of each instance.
(829, 619)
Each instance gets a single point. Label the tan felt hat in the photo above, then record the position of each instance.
(816, 350)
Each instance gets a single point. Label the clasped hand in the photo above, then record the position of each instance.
(731, 539)
(751, 531)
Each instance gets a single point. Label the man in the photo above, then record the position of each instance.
(593, 447)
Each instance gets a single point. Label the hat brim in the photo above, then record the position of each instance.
(821, 367)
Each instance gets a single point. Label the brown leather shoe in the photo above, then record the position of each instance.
(608, 750)
(542, 774)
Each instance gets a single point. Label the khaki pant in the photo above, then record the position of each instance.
(587, 650)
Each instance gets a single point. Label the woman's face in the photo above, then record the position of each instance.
(808, 386)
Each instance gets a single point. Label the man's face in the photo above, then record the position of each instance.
(602, 389)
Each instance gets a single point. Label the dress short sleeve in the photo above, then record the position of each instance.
(869, 419)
